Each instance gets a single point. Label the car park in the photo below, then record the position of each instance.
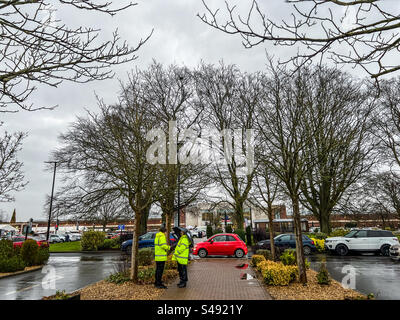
(222, 244)
(288, 241)
(145, 241)
(18, 241)
(198, 233)
(362, 240)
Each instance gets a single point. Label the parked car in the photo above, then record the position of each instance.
(55, 238)
(287, 241)
(362, 240)
(394, 252)
(198, 233)
(145, 241)
(18, 241)
(221, 244)
(62, 236)
(74, 236)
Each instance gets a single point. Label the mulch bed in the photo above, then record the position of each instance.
(104, 290)
(313, 290)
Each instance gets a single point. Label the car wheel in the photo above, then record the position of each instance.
(342, 250)
(307, 250)
(202, 253)
(385, 250)
(239, 253)
(128, 250)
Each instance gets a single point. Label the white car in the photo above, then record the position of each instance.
(362, 240)
(54, 238)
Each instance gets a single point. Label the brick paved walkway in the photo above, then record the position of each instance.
(217, 279)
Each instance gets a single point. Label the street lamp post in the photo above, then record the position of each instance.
(51, 198)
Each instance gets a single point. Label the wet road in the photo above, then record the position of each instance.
(65, 271)
(373, 274)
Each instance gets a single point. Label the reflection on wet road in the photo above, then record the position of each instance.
(373, 274)
(65, 271)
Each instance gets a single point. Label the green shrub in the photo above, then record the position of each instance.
(241, 233)
(61, 295)
(107, 244)
(118, 278)
(318, 235)
(288, 257)
(339, 233)
(29, 252)
(92, 240)
(228, 228)
(42, 256)
(323, 275)
(209, 231)
(145, 257)
(248, 236)
(266, 253)
(115, 243)
(13, 264)
(146, 274)
(277, 274)
(256, 259)
(6, 249)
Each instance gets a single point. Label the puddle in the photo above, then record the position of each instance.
(91, 259)
(246, 276)
(242, 266)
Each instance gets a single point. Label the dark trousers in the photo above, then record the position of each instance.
(182, 269)
(159, 272)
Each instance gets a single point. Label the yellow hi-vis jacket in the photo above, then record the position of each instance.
(181, 253)
(160, 247)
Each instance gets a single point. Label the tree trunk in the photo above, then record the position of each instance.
(239, 215)
(168, 218)
(135, 248)
(299, 241)
(271, 231)
(325, 222)
(143, 223)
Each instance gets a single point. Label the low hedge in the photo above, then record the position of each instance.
(29, 252)
(92, 240)
(266, 253)
(256, 259)
(276, 273)
(145, 257)
(16, 259)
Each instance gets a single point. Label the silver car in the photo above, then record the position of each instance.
(394, 252)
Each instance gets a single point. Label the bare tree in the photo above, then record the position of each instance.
(268, 189)
(230, 98)
(359, 33)
(281, 125)
(169, 92)
(342, 146)
(387, 121)
(108, 151)
(11, 175)
(38, 48)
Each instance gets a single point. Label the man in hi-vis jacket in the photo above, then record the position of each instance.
(161, 249)
(181, 255)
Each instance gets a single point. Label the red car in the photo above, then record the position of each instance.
(19, 240)
(222, 244)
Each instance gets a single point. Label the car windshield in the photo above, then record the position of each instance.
(351, 234)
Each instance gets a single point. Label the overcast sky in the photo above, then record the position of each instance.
(179, 37)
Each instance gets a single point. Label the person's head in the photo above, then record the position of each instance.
(163, 228)
(177, 231)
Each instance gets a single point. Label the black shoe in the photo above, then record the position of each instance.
(163, 286)
(182, 285)
(159, 286)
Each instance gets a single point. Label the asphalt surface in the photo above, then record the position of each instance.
(65, 271)
(372, 274)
